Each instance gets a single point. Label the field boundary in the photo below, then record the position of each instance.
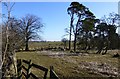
(26, 71)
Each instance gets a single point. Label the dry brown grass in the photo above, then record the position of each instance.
(69, 66)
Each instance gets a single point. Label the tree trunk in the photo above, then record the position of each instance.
(75, 39)
(26, 46)
(86, 42)
(105, 51)
(70, 39)
(75, 42)
(100, 47)
(71, 25)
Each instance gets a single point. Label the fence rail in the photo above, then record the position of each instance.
(26, 71)
(53, 75)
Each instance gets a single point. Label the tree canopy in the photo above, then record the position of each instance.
(90, 32)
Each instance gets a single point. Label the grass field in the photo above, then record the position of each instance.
(71, 66)
(37, 45)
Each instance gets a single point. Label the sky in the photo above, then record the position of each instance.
(54, 15)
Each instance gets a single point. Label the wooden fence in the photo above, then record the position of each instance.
(53, 75)
(26, 71)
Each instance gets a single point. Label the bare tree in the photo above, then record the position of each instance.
(31, 25)
(6, 57)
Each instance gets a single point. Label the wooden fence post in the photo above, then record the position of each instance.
(53, 75)
(28, 70)
(19, 68)
(45, 75)
(51, 68)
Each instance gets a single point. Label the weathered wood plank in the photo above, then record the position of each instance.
(31, 74)
(53, 75)
(24, 68)
(24, 74)
(25, 61)
(45, 75)
(39, 67)
(19, 69)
